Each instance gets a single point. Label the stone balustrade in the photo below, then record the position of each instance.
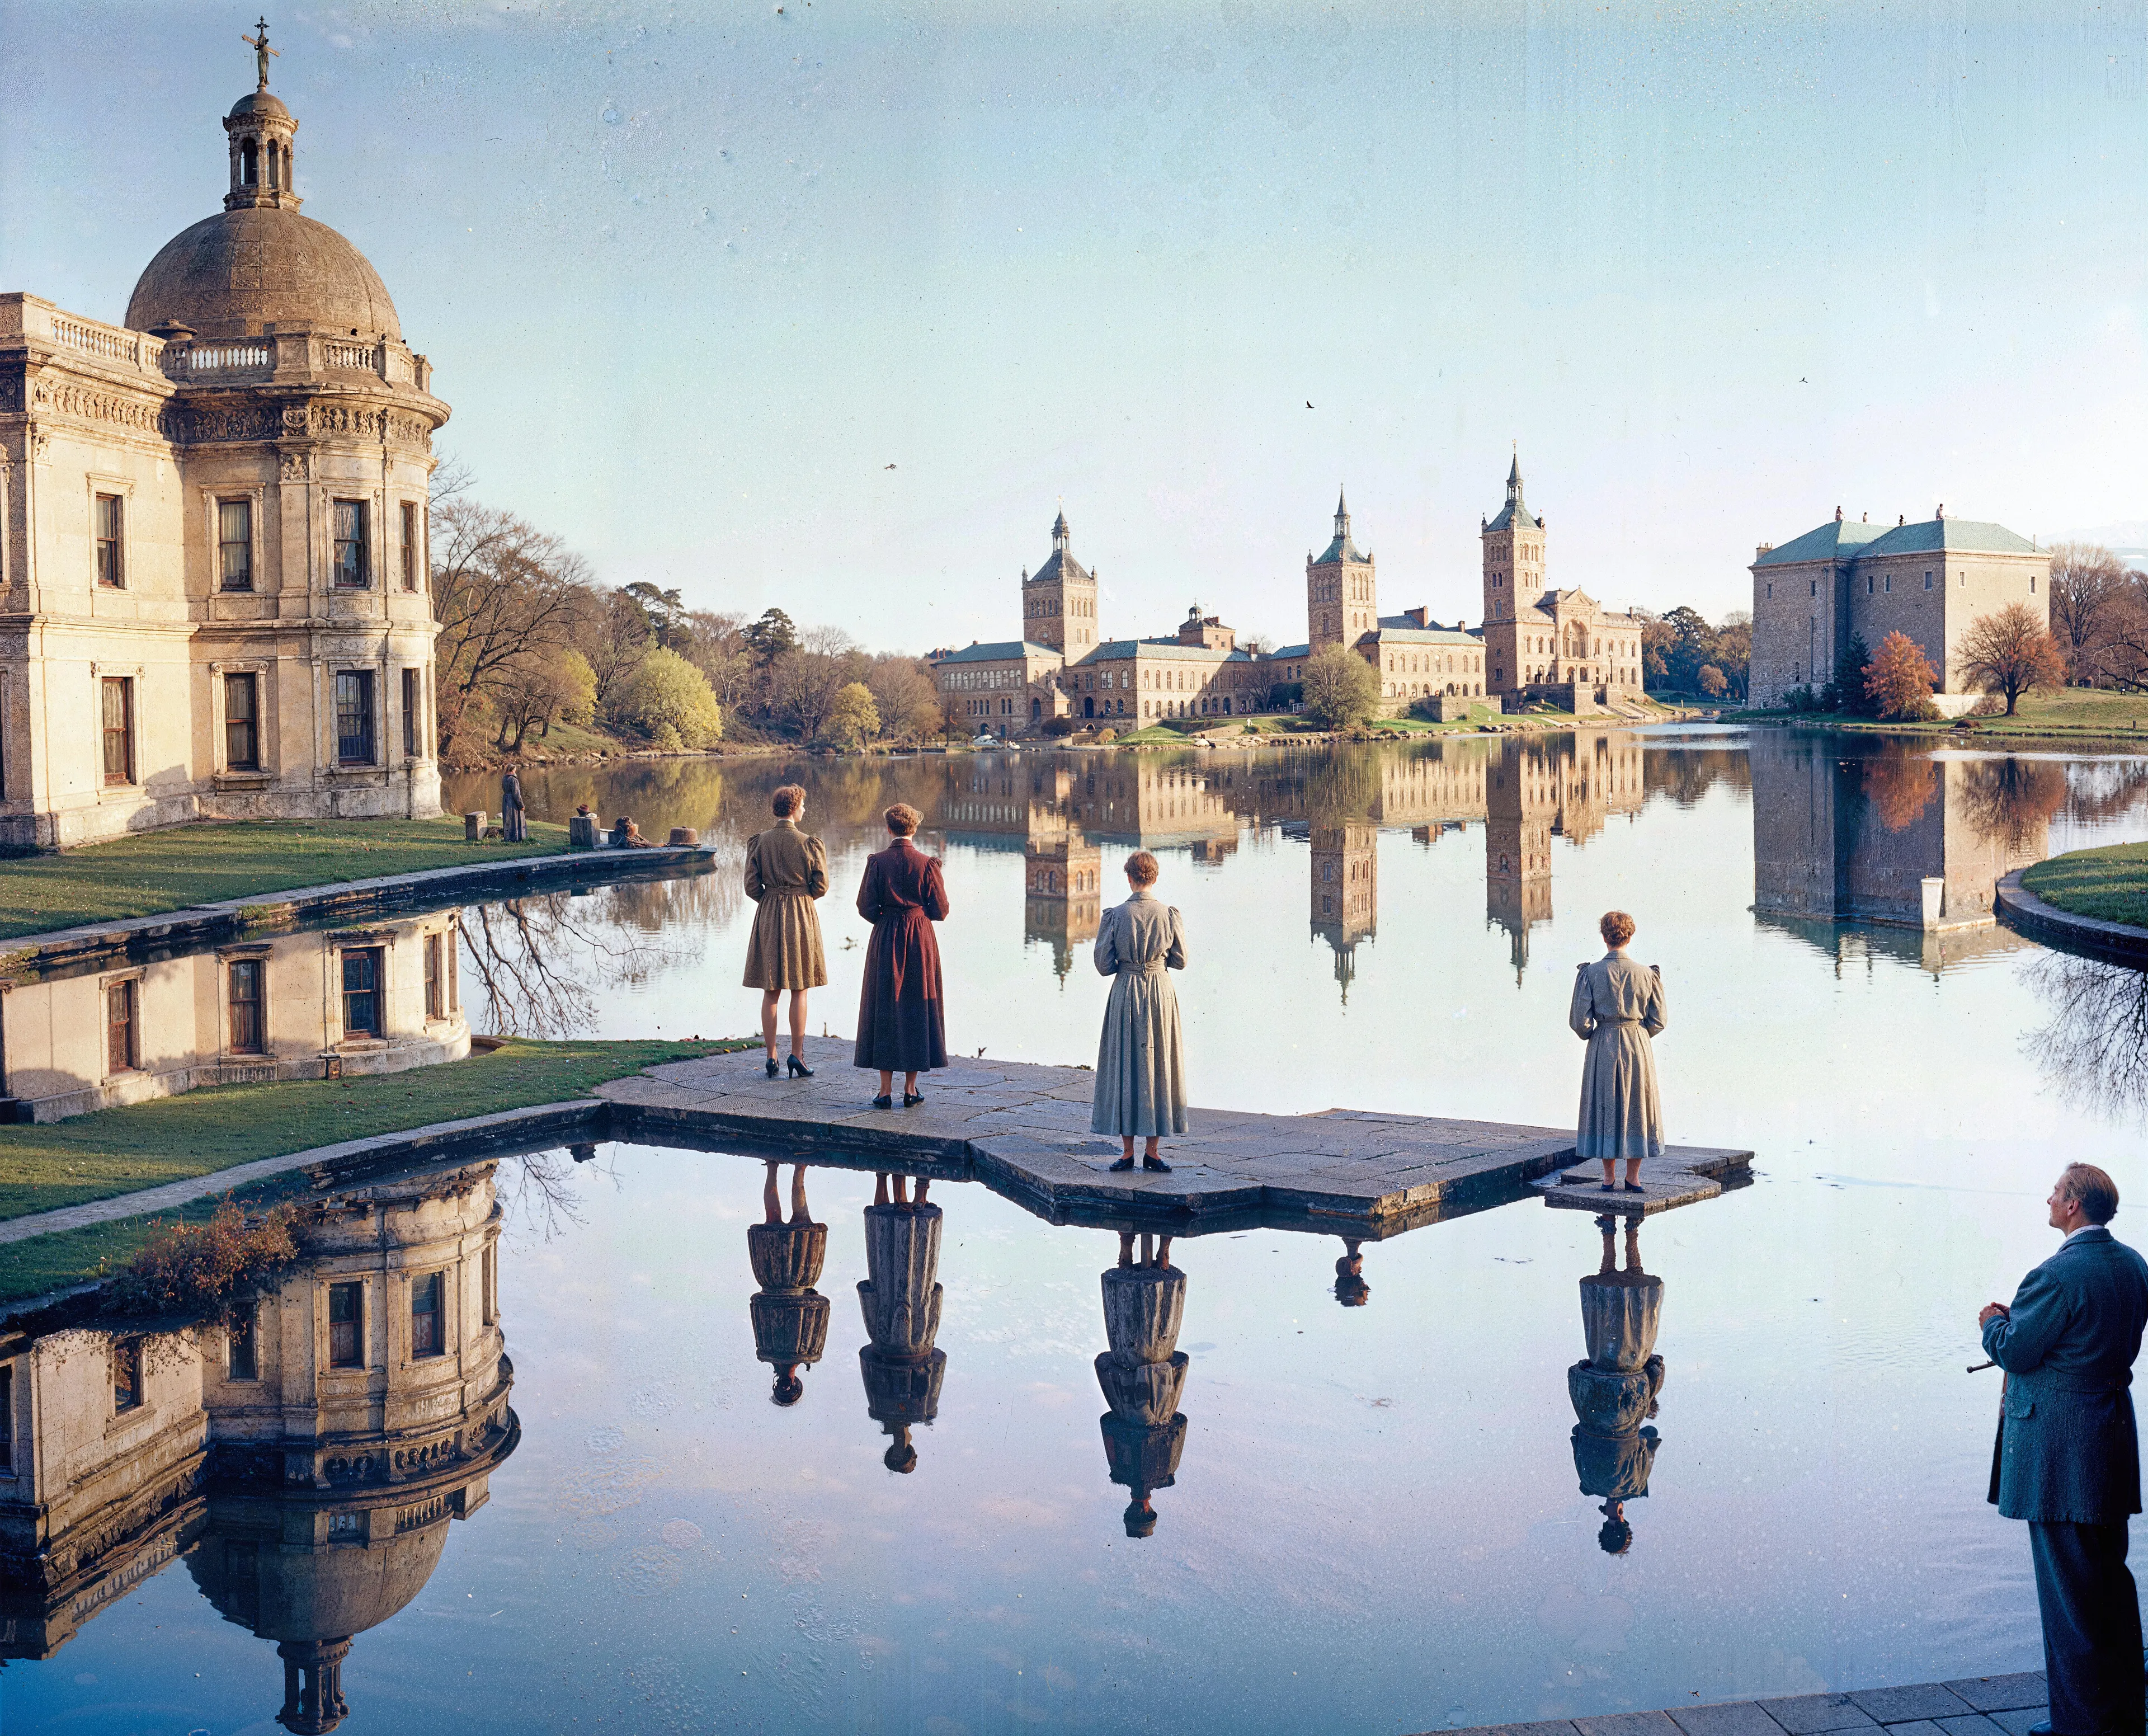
(30, 316)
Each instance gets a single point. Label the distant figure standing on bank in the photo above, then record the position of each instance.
(1141, 1062)
(1618, 1010)
(902, 1022)
(513, 826)
(786, 870)
(2068, 1457)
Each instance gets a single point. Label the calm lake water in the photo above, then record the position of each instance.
(1375, 1523)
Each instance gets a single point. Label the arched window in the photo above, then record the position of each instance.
(249, 162)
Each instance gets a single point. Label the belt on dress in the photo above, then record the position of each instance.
(1602, 1023)
(1153, 970)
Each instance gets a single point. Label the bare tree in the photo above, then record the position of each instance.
(615, 636)
(2087, 582)
(903, 690)
(2095, 1048)
(501, 588)
(2012, 652)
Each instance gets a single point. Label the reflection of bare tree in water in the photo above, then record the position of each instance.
(1684, 775)
(536, 1193)
(2010, 802)
(538, 961)
(2105, 789)
(2096, 1047)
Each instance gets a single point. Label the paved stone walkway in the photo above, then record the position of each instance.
(1024, 1129)
(1974, 1706)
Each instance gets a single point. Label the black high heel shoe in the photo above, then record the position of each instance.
(883, 1103)
(774, 1067)
(911, 1099)
(797, 1068)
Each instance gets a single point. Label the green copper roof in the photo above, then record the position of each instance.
(1942, 535)
(1004, 651)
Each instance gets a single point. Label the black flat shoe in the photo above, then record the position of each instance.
(1610, 1187)
(1155, 1165)
(798, 1069)
(774, 1067)
(883, 1103)
(911, 1099)
(1123, 1165)
(1635, 1187)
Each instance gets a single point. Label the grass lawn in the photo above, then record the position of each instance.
(117, 1151)
(181, 866)
(2080, 713)
(2110, 883)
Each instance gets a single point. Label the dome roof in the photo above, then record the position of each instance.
(233, 274)
(260, 101)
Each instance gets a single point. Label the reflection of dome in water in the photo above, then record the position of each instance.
(330, 1591)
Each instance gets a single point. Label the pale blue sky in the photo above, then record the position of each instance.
(693, 276)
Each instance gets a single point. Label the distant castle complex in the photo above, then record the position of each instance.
(1535, 643)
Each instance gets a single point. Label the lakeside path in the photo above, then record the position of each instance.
(1973, 1706)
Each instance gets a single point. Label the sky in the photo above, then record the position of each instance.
(832, 307)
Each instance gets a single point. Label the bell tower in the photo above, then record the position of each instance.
(1342, 592)
(1059, 600)
(260, 128)
(1513, 554)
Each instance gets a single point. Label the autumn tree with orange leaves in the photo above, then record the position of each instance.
(1898, 681)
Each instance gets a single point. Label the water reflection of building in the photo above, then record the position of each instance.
(1346, 891)
(1847, 831)
(376, 999)
(307, 1455)
(1539, 791)
(1062, 889)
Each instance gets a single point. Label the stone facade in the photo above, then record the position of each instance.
(375, 999)
(213, 571)
(1934, 581)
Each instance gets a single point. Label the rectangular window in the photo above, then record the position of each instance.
(1869, 585)
(1928, 581)
(1815, 587)
(436, 1001)
(111, 557)
(361, 991)
(248, 1031)
(242, 723)
(1771, 593)
(1888, 583)
(8, 1417)
(426, 1337)
(118, 729)
(346, 1325)
(122, 1038)
(2032, 585)
(353, 702)
(352, 565)
(414, 690)
(240, 1359)
(410, 545)
(488, 1283)
(454, 982)
(126, 1374)
(234, 544)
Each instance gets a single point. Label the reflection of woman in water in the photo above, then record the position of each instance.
(1351, 1289)
(1616, 1387)
(1143, 1375)
(789, 1316)
(901, 1301)
(1618, 1009)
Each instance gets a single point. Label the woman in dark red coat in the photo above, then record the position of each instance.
(900, 1023)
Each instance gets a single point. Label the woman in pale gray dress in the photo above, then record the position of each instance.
(1141, 1062)
(1618, 1010)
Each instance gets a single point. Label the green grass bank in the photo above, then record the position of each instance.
(2082, 714)
(214, 861)
(49, 1165)
(2110, 884)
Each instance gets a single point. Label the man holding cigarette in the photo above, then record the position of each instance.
(2068, 1460)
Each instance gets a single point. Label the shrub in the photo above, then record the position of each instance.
(1058, 726)
(1340, 688)
(1990, 706)
(667, 690)
(854, 719)
(191, 1268)
(1801, 698)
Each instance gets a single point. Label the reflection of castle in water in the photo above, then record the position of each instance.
(1846, 831)
(1614, 1388)
(306, 1455)
(373, 998)
(1526, 792)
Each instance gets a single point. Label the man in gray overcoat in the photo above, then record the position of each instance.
(2067, 1458)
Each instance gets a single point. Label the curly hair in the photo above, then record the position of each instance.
(787, 801)
(903, 820)
(1616, 927)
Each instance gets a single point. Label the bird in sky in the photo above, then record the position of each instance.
(1308, 404)
(887, 467)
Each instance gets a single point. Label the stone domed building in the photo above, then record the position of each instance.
(214, 585)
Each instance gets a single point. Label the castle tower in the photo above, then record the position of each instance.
(1346, 891)
(1059, 600)
(1513, 555)
(1342, 598)
(1520, 802)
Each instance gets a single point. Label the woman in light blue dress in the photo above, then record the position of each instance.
(1140, 1060)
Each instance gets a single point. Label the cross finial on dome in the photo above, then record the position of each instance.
(262, 52)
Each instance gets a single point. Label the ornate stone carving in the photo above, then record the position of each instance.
(297, 466)
(69, 399)
(295, 419)
(229, 421)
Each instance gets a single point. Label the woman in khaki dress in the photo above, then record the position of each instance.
(1618, 1010)
(1141, 1060)
(786, 870)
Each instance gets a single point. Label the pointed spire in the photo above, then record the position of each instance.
(1059, 533)
(1341, 517)
(1514, 474)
